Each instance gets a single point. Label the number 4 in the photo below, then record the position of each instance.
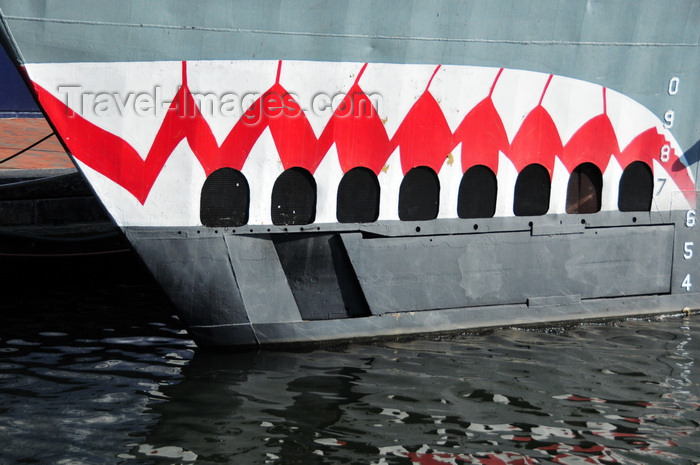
(686, 284)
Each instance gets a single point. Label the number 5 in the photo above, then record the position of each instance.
(688, 249)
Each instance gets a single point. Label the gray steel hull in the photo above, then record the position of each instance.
(631, 46)
(267, 283)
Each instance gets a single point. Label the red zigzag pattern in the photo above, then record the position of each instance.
(424, 138)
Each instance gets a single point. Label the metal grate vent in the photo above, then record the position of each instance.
(583, 194)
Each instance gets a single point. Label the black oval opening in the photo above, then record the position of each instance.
(419, 195)
(294, 198)
(225, 199)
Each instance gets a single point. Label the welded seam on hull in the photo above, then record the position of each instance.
(226, 326)
(222, 325)
(352, 36)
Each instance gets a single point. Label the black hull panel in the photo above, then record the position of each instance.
(236, 288)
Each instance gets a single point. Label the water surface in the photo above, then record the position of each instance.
(100, 373)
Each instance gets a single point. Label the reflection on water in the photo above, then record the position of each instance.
(104, 375)
(603, 394)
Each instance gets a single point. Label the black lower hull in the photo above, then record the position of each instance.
(268, 287)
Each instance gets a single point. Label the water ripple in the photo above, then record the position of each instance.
(84, 381)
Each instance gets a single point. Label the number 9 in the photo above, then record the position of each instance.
(668, 118)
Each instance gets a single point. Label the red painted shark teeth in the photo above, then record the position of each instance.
(423, 138)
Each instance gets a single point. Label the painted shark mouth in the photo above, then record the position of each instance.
(428, 133)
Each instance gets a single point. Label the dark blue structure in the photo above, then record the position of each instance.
(15, 99)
